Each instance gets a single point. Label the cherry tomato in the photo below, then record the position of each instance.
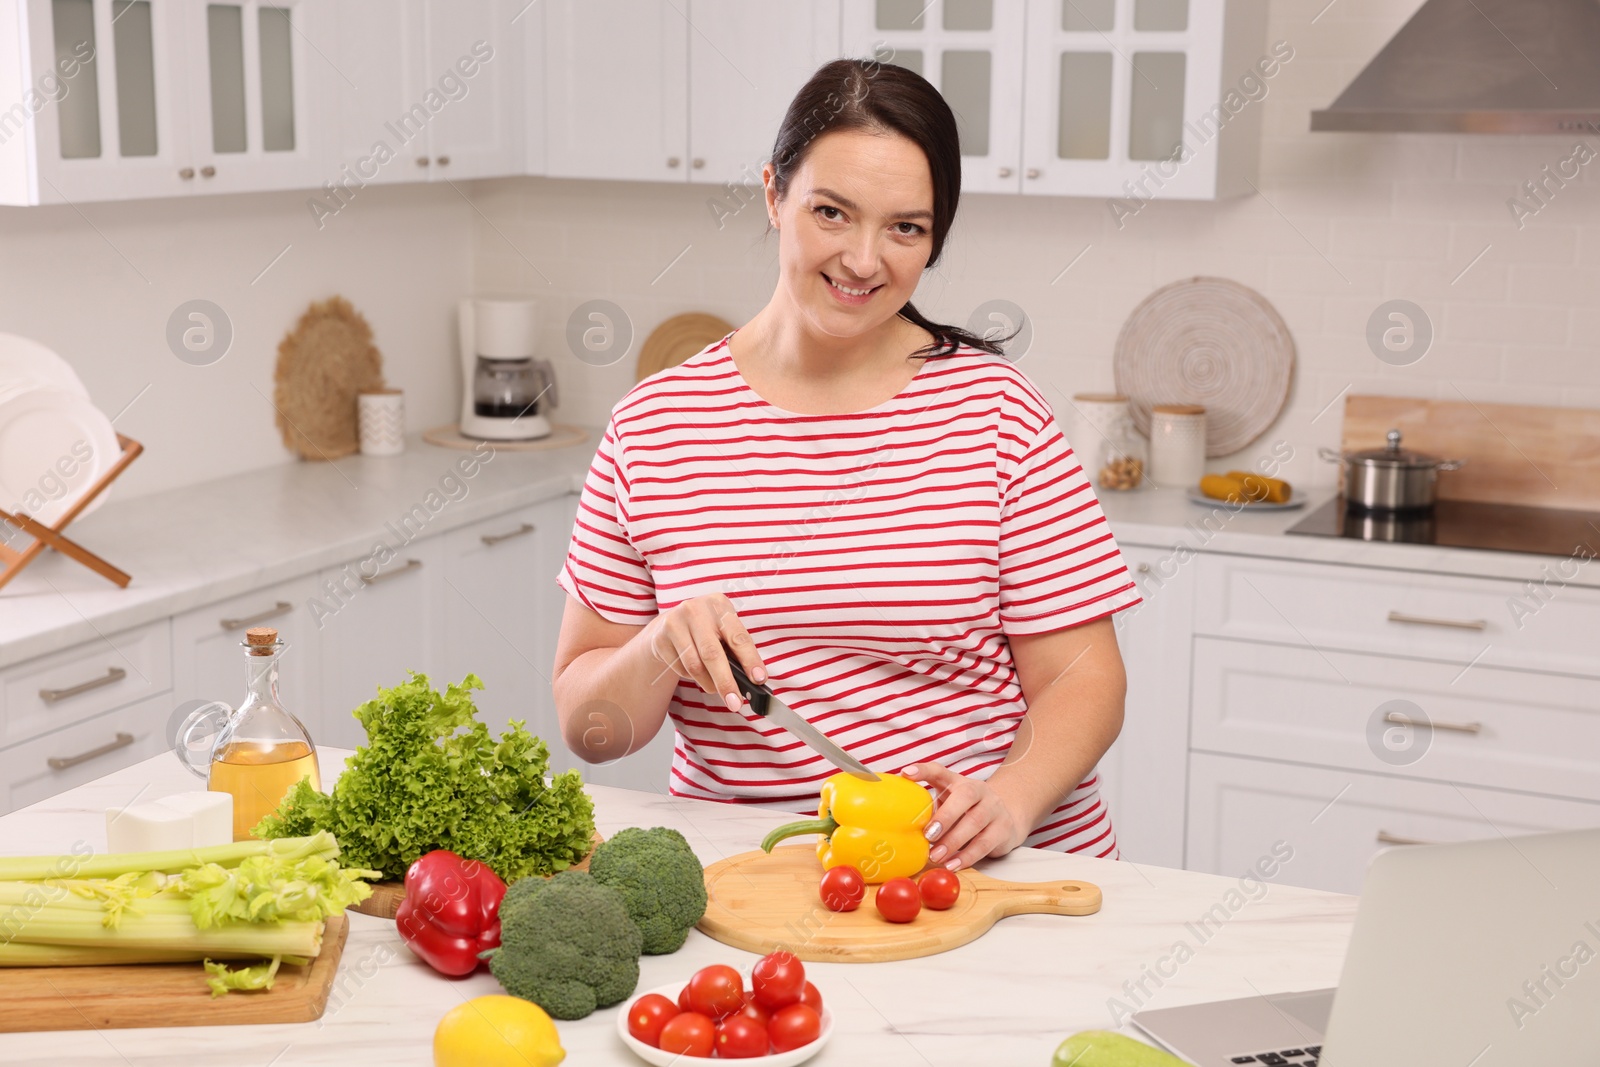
(898, 901)
(739, 1037)
(778, 979)
(716, 991)
(683, 999)
(939, 888)
(648, 1015)
(752, 1010)
(811, 998)
(794, 1026)
(688, 1034)
(842, 889)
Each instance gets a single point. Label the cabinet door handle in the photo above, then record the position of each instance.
(672, 161)
(186, 173)
(1454, 624)
(1143, 568)
(422, 161)
(1033, 172)
(282, 607)
(411, 565)
(1005, 172)
(443, 161)
(1460, 727)
(61, 763)
(208, 172)
(495, 539)
(113, 674)
(1386, 838)
(697, 163)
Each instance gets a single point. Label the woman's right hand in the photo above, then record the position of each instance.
(688, 639)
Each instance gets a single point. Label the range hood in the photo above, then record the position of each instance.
(1480, 66)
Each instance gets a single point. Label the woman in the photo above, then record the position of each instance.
(876, 513)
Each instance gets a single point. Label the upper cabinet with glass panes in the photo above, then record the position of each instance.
(123, 99)
(1125, 99)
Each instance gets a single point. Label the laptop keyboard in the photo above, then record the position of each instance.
(1288, 1057)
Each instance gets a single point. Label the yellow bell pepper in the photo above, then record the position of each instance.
(875, 827)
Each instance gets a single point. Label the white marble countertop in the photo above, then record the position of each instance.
(194, 546)
(1008, 998)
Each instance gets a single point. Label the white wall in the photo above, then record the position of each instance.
(1343, 223)
(98, 282)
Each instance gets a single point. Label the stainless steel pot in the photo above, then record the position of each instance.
(1390, 478)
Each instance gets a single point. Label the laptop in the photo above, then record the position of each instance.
(1478, 954)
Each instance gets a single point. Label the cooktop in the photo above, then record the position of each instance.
(1463, 524)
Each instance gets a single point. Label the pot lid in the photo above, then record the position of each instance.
(1392, 455)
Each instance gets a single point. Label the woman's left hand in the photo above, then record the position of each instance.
(971, 819)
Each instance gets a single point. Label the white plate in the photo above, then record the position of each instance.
(672, 1059)
(26, 364)
(1288, 505)
(41, 428)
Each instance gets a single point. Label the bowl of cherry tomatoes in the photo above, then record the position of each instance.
(777, 1020)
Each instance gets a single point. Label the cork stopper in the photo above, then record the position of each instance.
(261, 640)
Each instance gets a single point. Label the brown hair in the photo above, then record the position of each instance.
(865, 94)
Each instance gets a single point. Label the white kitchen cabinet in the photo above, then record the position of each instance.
(41, 768)
(1336, 820)
(48, 693)
(495, 609)
(158, 98)
(373, 631)
(208, 659)
(616, 89)
(972, 51)
(429, 89)
(1141, 99)
(747, 59)
(1143, 774)
(1490, 726)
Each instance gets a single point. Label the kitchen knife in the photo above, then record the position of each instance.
(766, 705)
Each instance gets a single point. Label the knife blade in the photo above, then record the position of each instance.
(766, 705)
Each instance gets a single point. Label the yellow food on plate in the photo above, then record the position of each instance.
(1221, 487)
(1260, 487)
(497, 1031)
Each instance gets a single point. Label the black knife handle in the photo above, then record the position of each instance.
(757, 695)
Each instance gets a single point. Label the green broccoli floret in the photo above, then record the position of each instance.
(660, 879)
(567, 944)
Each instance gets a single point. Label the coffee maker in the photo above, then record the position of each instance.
(504, 388)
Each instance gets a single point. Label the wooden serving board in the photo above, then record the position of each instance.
(384, 903)
(163, 994)
(1515, 453)
(760, 903)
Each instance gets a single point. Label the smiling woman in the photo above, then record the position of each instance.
(874, 513)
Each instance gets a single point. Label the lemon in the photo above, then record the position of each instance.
(497, 1031)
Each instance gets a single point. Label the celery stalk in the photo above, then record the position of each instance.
(49, 925)
(20, 955)
(41, 868)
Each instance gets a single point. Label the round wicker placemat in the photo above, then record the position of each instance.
(1212, 342)
(323, 364)
(561, 435)
(678, 338)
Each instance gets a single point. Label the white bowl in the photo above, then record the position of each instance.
(674, 1059)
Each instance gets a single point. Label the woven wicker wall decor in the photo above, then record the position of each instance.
(323, 363)
(1212, 342)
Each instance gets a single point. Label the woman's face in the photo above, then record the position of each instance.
(858, 214)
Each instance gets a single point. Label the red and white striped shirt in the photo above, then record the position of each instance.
(879, 559)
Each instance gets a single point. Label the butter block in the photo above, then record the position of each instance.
(184, 820)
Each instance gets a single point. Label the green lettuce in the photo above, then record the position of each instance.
(431, 776)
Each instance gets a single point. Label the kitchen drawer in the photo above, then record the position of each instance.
(47, 693)
(1362, 609)
(1335, 821)
(1534, 732)
(108, 742)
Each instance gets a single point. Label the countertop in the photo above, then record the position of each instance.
(1008, 998)
(200, 544)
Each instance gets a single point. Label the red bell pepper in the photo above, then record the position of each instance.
(451, 911)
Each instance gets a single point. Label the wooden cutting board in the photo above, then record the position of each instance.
(761, 902)
(163, 994)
